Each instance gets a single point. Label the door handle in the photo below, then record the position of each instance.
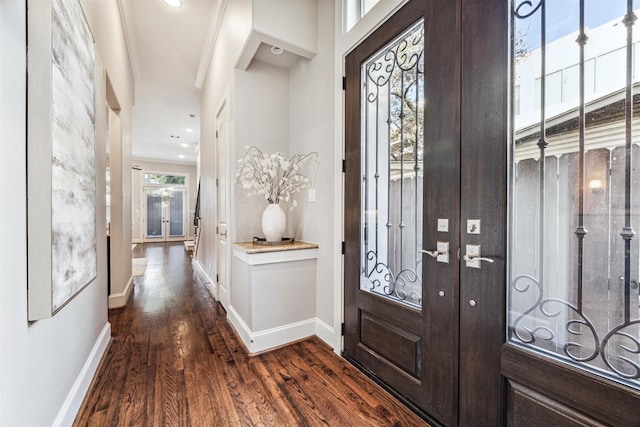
(473, 258)
(433, 254)
(223, 234)
(441, 254)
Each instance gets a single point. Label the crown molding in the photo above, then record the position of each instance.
(126, 16)
(215, 22)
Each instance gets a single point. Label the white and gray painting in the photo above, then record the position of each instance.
(73, 173)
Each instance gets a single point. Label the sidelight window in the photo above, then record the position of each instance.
(574, 263)
(392, 165)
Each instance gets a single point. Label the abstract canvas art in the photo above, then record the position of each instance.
(61, 156)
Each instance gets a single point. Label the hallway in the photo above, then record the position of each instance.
(174, 360)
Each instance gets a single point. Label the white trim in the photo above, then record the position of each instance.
(256, 38)
(328, 334)
(215, 22)
(128, 27)
(120, 300)
(274, 257)
(144, 172)
(163, 161)
(270, 338)
(209, 283)
(378, 14)
(69, 410)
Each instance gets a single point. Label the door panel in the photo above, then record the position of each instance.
(222, 249)
(155, 215)
(400, 348)
(483, 155)
(408, 339)
(177, 214)
(573, 313)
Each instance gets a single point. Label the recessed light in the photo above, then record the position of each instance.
(189, 130)
(184, 145)
(173, 3)
(181, 156)
(277, 50)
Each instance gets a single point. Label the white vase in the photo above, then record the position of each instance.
(274, 222)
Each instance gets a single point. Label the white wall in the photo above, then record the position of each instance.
(138, 198)
(104, 20)
(291, 111)
(234, 31)
(261, 109)
(46, 365)
(313, 116)
(299, 35)
(311, 128)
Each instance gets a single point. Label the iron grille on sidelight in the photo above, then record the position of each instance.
(575, 195)
(392, 154)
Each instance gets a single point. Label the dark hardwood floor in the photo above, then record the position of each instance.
(175, 361)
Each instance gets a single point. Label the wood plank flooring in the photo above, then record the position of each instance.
(175, 361)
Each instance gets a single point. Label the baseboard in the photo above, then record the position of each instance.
(264, 340)
(241, 328)
(328, 334)
(120, 299)
(208, 282)
(71, 406)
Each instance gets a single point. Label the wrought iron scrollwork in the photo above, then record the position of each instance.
(402, 286)
(406, 55)
(623, 360)
(619, 363)
(527, 4)
(545, 306)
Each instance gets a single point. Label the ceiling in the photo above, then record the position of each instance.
(169, 52)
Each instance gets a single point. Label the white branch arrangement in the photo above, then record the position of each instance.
(272, 176)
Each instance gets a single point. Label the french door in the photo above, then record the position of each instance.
(165, 214)
(425, 208)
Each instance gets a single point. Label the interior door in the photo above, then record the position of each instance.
(573, 350)
(424, 209)
(165, 214)
(222, 252)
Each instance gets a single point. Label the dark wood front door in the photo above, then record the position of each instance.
(425, 184)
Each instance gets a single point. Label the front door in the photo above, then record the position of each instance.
(424, 209)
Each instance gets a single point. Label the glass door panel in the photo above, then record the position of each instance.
(176, 215)
(575, 194)
(155, 214)
(392, 159)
